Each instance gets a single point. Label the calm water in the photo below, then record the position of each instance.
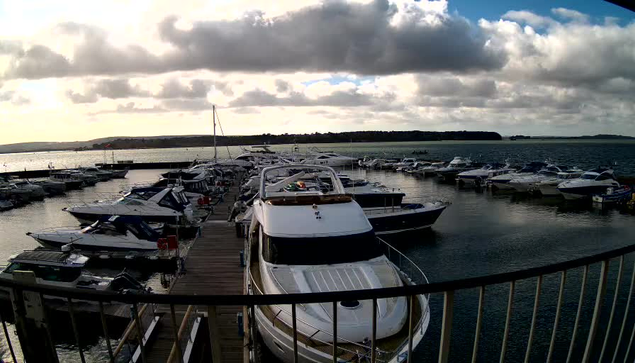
(479, 234)
(581, 153)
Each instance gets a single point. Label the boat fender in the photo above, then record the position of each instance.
(172, 242)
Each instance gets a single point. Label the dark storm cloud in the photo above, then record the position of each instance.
(107, 88)
(455, 87)
(175, 89)
(260, 98)
(333, 36)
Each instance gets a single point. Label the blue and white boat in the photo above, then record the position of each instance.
(592, 182)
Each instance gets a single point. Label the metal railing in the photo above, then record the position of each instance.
(597, 342)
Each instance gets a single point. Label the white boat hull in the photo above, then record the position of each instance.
(281, 344)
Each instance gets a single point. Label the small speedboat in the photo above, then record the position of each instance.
(404, 217)
(114, 233)
(431, 169)
(612, 195)
(101, 175)
(592, 182)
(36, 191)
(64, 269)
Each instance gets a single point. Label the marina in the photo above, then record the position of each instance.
(214, 262)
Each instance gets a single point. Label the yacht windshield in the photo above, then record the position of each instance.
(321, 250)
(589, 176)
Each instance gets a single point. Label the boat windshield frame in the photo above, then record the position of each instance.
(329, 250)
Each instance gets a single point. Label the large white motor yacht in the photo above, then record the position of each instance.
(590, 183)
(549, 187)
(319, 240)
(161, 205)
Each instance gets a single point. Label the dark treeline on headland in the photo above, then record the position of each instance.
(315, 138)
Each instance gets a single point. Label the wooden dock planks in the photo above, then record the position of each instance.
(212, 267)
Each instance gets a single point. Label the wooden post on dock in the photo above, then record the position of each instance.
(30, 322)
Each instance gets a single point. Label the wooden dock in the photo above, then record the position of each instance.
(212, 267)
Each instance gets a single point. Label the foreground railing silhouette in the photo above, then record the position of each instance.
(608, 350)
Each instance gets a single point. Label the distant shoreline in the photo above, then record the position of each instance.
(194, 141)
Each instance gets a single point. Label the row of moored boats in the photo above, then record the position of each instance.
(17, 192)
(548, 179)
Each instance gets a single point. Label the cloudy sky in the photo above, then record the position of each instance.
(77, 70)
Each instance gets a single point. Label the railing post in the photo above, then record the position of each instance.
(411, 301)
(556, 320)
(214, 334)
(295, 333)
(510, 304)
(596, 311)
(140, 332)
(8, 338)
(175, 333)
(111, 357)
(585, 275)
(479, 318)
(446, 327)
(75, 330)
(617, 289)
(533, 319)
(373, 341)
(628, 304)
(334, 331)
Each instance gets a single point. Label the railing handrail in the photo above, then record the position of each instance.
(306, 298)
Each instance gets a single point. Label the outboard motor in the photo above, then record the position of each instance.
(125, 282)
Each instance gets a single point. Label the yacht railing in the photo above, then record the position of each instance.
(603, 329)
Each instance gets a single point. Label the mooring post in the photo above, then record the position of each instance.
(30, 322)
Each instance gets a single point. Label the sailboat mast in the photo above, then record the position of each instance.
(214, 120)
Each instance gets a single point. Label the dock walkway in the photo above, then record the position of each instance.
(212, 267)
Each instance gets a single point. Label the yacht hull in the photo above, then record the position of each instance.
(549, 190)
(583, 192)
(280, 343)
(404, 219)
(373, 200)
(93, 217)
(87, 246)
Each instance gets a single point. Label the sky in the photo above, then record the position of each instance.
(77, 70)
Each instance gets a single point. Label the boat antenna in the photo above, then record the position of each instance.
(214, 122)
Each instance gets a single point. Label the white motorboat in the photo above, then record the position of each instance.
(501, 182)
(431, 169)
(456, 166)
(119, 174)
(160, 205)
(479, 176)
(549, 187)
(36, 191)
(114, 233)
(318, 240)
(70, 179)
(407, 217)
(592, 182)
(101, 175)
(64, 269)
(527, 183)
(51, 187)
(329, 159)
(404, 163)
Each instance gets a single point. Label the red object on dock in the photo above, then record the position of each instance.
(173, 243)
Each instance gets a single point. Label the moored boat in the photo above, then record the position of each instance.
(320, 240)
